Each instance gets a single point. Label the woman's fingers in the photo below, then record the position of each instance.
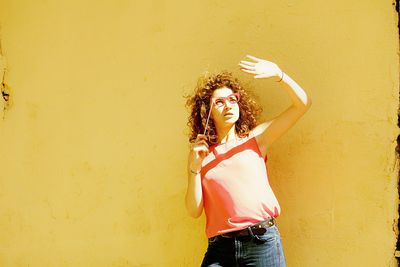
(201, 151)
(248, 63)
(250, 71)
(201, 137)
(203, 154)
(254, 58)
(201, 143)
(261, 76)
(247, 66)
(200, 146)
(261, 68)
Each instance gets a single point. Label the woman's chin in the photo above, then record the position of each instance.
(230, 120)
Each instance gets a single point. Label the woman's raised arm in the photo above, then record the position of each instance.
(266, 133)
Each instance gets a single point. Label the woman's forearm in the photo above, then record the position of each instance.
(297, 94)
(194, 195)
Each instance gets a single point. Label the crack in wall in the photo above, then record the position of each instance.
(5, 99)
(395, 3)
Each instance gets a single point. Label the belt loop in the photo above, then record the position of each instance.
(252, 234)
(250, 231)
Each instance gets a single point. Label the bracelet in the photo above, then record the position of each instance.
(282, 76)
(194, 171)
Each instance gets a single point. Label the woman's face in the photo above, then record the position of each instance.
(225, 109)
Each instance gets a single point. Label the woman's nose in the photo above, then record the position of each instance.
(228, 104)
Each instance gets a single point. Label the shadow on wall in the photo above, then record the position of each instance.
(397, 253)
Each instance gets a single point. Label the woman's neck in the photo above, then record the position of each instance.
(226, 134)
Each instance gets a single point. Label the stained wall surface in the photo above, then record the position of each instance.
(94, 139)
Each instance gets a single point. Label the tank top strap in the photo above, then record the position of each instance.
(251, 135)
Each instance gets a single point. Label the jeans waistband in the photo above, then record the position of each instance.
(256, 229)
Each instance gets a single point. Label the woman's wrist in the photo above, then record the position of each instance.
(280, 76)
(195, 170)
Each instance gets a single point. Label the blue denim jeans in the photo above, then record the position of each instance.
(259, 250)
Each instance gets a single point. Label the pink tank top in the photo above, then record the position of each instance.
(236, 191)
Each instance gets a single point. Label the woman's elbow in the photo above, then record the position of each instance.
(309, 102)
(196, 214)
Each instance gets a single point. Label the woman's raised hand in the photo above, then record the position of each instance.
(198, 151)
(261, 68)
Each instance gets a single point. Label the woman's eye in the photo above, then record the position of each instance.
(233, 99)
(219, 102)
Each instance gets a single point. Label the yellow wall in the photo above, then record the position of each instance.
(93, 147)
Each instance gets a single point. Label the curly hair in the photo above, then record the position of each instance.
(199, 105)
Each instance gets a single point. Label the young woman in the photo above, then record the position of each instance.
(227, 174)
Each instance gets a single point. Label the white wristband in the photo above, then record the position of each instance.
(194, 171)
(281, 77)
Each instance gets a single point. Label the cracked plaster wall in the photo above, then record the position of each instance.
(94, 147)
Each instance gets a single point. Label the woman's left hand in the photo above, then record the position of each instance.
(261, 68)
